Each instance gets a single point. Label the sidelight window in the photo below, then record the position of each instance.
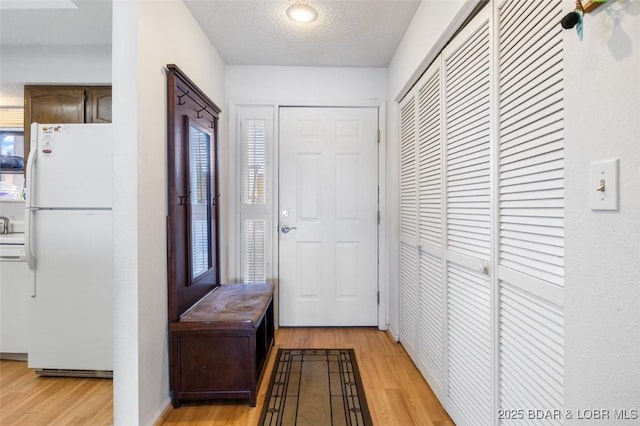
(255, 147)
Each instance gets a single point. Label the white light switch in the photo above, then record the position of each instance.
(603, 185)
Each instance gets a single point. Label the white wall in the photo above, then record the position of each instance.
(305, 85)
(126, 388)
(289, 85)
(602, 289)
(147, 36)
(286, 85)
(430, 22)
(52, 65)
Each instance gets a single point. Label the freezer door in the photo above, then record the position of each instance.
(72, 167)
(70, 317)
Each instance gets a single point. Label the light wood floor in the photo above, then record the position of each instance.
(26, 399)
(396, 392)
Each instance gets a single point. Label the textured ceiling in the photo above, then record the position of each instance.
(363, 33)
(87, 25)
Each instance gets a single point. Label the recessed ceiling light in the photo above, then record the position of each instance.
(302, 13)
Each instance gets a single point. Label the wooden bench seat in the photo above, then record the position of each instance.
(231, 303)
(220, 345)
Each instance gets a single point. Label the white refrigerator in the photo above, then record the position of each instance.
(68, 244)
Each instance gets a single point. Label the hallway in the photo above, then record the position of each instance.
(396, 392)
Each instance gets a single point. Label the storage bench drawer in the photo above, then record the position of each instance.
(218, 364)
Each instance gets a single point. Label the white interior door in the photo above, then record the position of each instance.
(328, 216)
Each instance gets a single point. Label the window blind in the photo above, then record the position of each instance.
(254, 167)
(255, 146)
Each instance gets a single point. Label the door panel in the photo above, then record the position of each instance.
(54, 105)
(71, 324)
(78, 155)
(530, 249)
(328, 196)
(99, 105)
(467, 63)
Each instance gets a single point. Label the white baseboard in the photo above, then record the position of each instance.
(162, 412)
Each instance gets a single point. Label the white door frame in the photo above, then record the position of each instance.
(234, 173)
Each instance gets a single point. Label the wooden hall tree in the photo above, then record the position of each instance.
(219, 335)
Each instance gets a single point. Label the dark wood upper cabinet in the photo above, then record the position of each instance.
(98, 106)
(53, 104)
(64, 104)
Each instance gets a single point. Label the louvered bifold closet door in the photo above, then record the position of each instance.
(409, 266)
(531, 199)
(468, 115)
(429, 171)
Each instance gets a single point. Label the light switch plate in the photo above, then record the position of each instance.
(603, 185)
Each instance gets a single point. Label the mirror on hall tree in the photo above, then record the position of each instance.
(200, 200)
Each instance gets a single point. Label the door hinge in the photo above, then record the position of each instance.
(378, 217)
(378, 298)
(378, 135)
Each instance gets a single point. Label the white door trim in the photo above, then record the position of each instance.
(234, 106)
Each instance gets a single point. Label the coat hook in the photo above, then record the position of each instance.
(199, 111)
(180, 102)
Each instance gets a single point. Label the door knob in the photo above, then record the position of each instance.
(285, 229)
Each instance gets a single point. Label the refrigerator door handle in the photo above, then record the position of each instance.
(31, 163)
(28, 238)
(31, 259)
(29, 211)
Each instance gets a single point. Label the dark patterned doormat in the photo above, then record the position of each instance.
(315, 387)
